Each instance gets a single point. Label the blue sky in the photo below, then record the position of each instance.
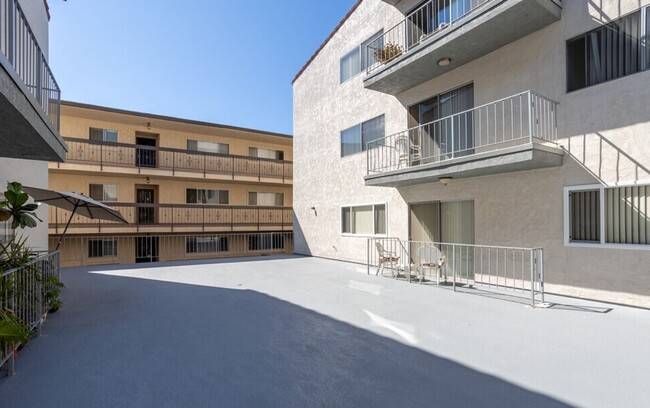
(222, 61)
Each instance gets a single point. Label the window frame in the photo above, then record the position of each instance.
(256, 192)
(278, 153)
(103, 243)
(218, 241)
(603, 244)
(196, 141)
(104, 133)
(104, 200)
(219, 192)
(359, 49)
(644, 53)
(360, 126)
(374, 220)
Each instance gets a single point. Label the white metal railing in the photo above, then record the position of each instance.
(512, 269)
(419, 26)
(514, 120)
(20, 48)
(126, 249)
(22, 296)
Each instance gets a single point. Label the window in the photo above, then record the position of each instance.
(350, 65)
(99, 248)
(201, 196)
(608, 215)
(265, 153)
(266, 199)
(609, 52)
(208, 147)
(355, 139)
(358, 59)
(103, 192)
(364, 219)
(265, 242)
(206, 244)
(103, 135)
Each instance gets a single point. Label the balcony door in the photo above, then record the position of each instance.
(145, 199)
(442, 127)
(449, 222)
(145, 151)
(146, 249)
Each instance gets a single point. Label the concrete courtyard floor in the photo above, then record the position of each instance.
(307, 332)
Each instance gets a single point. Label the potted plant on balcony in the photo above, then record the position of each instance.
(388, 52)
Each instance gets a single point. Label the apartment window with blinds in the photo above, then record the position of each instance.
(612, 51)
(625, 218)
(355, 139)
(265, 153)
(206, 244)
(358, 59)
(5, 232)
(364, 219)
(265, 242)
(203, 196)
(100, 248)
(103, 135)
(103, 192)
(266, 199)
(585, 216)
(208, 147)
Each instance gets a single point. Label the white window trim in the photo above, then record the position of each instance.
(602, 244)
(374, 226)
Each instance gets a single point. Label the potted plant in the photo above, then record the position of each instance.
(388, 52)
(51, 288)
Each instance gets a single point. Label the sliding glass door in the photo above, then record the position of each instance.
(441, 126)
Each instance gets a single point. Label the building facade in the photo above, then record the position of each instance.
(29, 106)
(188, 189)
(513, 123)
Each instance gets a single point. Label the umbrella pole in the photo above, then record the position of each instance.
(66, 227)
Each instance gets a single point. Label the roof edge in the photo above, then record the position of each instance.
(172, 119)
(327, 40)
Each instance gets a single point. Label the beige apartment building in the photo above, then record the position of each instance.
(509, 135)
(188, 189)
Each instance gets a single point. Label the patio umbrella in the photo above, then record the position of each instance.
(76, 204)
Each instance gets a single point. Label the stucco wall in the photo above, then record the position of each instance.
(34, 174)
(604, 129)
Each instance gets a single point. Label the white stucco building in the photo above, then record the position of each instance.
(29, 105)
(534, 113)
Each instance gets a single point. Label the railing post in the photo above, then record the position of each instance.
(368, 256)
(453, 256)
(453, 148)
(541, 273)
(101, 156)
(259, 170)
(39, 79)
(532, 277)
(173, 162)
(530, 116)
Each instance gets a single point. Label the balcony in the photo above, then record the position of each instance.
(410, 53)
(164, 218)
(158, 161)
(512, 134)
(30, 97)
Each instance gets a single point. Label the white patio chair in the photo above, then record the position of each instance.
(386, 257)
(431, 258)
(407, 151)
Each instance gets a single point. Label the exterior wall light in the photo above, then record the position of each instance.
(443, 62)
(314, 210)
(148, 125)
(445, 180)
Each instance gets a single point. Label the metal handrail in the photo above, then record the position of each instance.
(24, 298)
(418, 27)
(514, 269)
(173, 159)
(22, 51)
(523, 116)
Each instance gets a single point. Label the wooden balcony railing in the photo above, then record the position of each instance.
(178, 215)
(175, 160)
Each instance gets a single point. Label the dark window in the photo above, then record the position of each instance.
(265, 242)
(206, 244)
(201, 196)
(98, 248)
(355, 139)
(584, 216)
(103, 135)
(609, 52)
